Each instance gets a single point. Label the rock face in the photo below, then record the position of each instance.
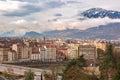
(101, 13)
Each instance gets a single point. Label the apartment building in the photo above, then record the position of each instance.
(22, 51)
(48, 53)
(72, 51)
(12, 55)
(89, 52)
(4, 53)
(35, 53)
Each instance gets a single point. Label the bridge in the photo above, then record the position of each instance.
(32, 63)
(2, 78)
(19, 70)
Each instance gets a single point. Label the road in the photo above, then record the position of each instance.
(12, 69)
(2, 78)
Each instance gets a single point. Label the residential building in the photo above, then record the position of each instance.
(35, 53)
(117, 52)
(89, 52)
(12, 55)
(72, 51)
(26, 52)
(4, 53)
(100, 45)
(48, 53)
(60, 56)
(22, 51)
(18, 49)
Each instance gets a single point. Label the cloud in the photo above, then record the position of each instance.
(22, 21)
(88, 23)
(54, 4)
(21, 10)
(25, 10)
(58, 14)
(32, 1)
(41, 15)
(8, 6)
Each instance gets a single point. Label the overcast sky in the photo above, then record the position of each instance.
(23, 16)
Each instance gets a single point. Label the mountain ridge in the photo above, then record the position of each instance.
(101, 13)
(109, 31)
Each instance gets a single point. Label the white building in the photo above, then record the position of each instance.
(48, 53)
(35, 54)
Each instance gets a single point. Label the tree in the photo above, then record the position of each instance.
(74, 70)
(79, 62)
(49, 76)
(117, 75)
(29, 75)
(108, 65)
(109, 60)
(75, 73)
(100, 57)
(5, 74)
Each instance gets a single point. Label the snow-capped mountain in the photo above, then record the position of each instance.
(101, 13)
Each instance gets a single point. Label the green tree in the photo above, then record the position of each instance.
(79, 62)
(29, 75)
(117, 75)
(75, 73)
(108, 65)
(5, 74)
(74, 70)
(109, 60)
(100, 57)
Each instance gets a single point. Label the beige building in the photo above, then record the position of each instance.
(11, 55)
(100, 45)
(22, 51)
(117, 52)
(89, 52)
(4, 53)
(72, 51)
(26, 52)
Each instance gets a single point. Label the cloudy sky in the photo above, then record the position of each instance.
(23, 16)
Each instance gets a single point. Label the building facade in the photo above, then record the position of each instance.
(48, 53)
(89, 53)
(12, 55)
(22, 51)
(4, 53)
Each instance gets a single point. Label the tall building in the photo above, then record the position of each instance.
(4, 53)
(22, 51)
(12, 55)
(48, 53)
(89, 52)
(72, 51)
(18, 49)
(26, 52)
(35, 53)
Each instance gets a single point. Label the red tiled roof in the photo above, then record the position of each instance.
(35, 52)
(4, 47)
